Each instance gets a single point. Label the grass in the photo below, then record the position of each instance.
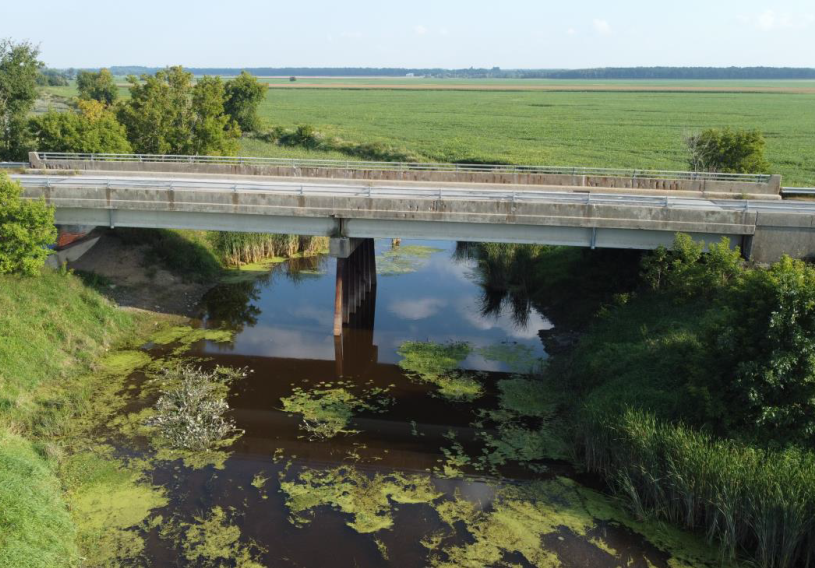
(601, 129)
(53, 330)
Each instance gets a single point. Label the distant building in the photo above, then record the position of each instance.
(410, 75)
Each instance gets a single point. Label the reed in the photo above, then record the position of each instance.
(748, 500)
(236, 249)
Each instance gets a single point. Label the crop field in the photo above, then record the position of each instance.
(623, 125)
(602, 129)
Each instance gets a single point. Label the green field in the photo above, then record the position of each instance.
(627, 129)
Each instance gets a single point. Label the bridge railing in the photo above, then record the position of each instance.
(798, 191)
(13, 165)
(297, 163)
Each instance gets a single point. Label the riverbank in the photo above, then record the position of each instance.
(55, 332)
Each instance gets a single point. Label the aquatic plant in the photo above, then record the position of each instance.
(190, 414)
(246, 248)
(368, 500)
(744, 498)
(326, 410)
(436, 363)
(403, 259)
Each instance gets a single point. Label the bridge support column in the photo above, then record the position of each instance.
(356, 277)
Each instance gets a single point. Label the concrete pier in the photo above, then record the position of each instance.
(356, 279)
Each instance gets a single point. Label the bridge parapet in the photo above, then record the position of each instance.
(720, 184)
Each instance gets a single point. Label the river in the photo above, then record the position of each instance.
(426, 436)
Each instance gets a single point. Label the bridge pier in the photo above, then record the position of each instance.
(356, 278)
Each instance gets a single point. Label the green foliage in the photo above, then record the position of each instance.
(236, 249)
(742, 497)
(93, 129)
(687, 271)
(727, 150)
(26, 229)
(97, 86)
(52, 78)
(19, 69)
(187, 253)
(243, 97)
(166, 114)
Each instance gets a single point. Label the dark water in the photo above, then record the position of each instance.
(284, 336)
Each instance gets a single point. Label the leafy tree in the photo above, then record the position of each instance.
(243, 96)
(19, 68)
(97, 86)
(727, 151)
(93, 129)
(213, 131)
(167, 115)
(26, 229)
(52, 78)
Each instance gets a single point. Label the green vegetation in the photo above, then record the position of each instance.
(403, 259)
(634, 129)
(727, 150)
(212, 541)
(236, 249)
(437, 364)
(26, 229)
(19, 69)
(168, 114)
(326, 410)
(97, 86)
(243, 95)
(91, 129)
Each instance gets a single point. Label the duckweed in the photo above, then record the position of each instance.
(404, 259)
(437, 363)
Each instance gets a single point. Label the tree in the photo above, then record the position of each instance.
(26, 229)
(167, 115)
(19, 68)
(213, 131)
(93, 129)
(727, 151)
(243, 96)
(97, 86)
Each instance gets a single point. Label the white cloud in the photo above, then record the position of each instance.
(417, 309)
(602, 27)
(770, 20)
(420, 30)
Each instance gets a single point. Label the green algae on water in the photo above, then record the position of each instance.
(368, 501)
(327, 411)
(437, 364)
(185, 336)
(522, 516)
(404, 259)
(212, 541)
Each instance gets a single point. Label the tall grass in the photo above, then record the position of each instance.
(236, 249)
(746, 499)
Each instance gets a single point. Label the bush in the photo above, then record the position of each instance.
(97, 86)
(727, 151)
(26, 229)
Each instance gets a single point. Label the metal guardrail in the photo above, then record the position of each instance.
(798, 191)
(407, 166)
(350, 190)
(12, 165)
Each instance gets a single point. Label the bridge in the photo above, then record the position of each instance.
(353, 202)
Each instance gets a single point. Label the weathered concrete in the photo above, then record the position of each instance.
(735, 188)
(71, 253)
(765, 229)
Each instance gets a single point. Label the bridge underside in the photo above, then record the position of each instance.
(593, 237)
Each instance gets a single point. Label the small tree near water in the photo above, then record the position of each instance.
(26, 229)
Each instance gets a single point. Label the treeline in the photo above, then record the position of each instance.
(701, 73)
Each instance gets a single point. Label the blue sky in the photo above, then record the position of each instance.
(418, 33)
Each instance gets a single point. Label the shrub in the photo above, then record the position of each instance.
(26, 229)
(93, 129)
(728, 151)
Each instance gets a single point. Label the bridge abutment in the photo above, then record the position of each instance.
(355, 281)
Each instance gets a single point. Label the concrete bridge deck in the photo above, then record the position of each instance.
(557, 215)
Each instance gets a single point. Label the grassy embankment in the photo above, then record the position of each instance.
(674, 390)
(54, 333)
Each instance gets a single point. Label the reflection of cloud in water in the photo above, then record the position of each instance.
(446, 265)
(418, 309)
(309, 312)
(282, 342)
(503, 321)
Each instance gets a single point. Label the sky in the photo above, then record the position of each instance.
(417, 33)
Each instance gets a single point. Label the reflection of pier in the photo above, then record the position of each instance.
(354, 304)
